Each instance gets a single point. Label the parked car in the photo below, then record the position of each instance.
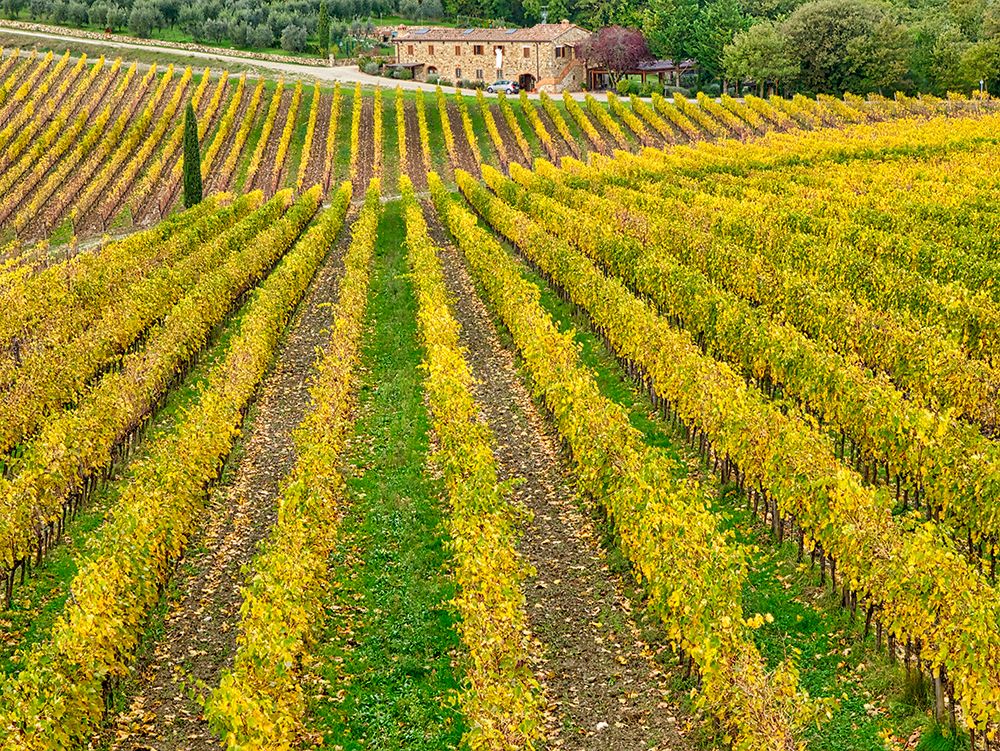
(507, 87)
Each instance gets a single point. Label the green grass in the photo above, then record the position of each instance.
(834, 659)
(582, 142)
(397, 20)
(342, 146)
(243, 163)
(63, 233)
(486, 147)
(389, 652)
(391, 165)
(294, 158)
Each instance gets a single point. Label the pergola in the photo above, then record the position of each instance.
(597, 77)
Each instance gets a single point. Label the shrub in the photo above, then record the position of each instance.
(372, 68)
(433, 78)
(403, 74)
(293, 38)
(651, 87)
(142, 20)
(77, 14)
(261, 37)
(624, 87)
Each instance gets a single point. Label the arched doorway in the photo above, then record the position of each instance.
(526, 81)
(431, 71)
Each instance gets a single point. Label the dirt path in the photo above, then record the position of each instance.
(463, 150)
(222, 181)
(317, 153)
(514, 152)
(348, 74)
(605, 689)
(563, 147)
(198, 639)
(263, 179)
(414, 150)
(216, 181)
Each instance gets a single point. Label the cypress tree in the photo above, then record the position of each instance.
(192, 159)
(323, 29)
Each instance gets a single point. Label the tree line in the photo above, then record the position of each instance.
(785, 45)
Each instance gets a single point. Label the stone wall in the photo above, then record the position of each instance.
(474, 61)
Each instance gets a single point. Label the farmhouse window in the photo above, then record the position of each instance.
(458, 50)
(527, 52)
(458, 73)
(560, 52)
(477, 49)
(430, 49)
(409, 49)
(479, 73)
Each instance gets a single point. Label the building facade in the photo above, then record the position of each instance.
(541, 58)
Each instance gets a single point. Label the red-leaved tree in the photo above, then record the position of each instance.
(615, 48)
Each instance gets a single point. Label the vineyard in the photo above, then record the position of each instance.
(494, 423)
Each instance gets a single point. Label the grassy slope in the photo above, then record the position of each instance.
(388, 653)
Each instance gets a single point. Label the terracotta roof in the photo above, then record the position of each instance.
(543, 32)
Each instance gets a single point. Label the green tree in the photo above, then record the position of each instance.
(968, 14)
(669, 26)
(556, 10)
(192, 159)
(323, 30)
(946, 61)
(598, 13)
(880, 59)
(293, 38)
(820, 33)
(715, 28)
(760, 54)
(981, 62)
(143, 19)
(991, 21)
(13, 8)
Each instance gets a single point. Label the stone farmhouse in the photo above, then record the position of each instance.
(540, 58)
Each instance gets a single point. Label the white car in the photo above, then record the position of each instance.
(507, 87)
